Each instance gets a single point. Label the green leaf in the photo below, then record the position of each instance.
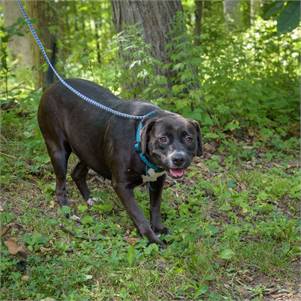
(131, 255)
(226, 254)
(82, 208)
(262, 196)
(35, 239)
(87, 219)
(231, 184)
(65, 210)
(151, 249)
(104, 208)
(273, 9)
(201, 290)
(233, 125)
(289, 17)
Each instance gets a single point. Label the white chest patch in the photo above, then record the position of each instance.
(152, 175)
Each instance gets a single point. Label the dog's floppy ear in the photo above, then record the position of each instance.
(196, 125)
(145, 133)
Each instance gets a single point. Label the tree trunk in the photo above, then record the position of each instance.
(44, 16)
(254, 10)
(155, 18)
(96, 35)
(20, 46)
(63, 12)
(232, 14)
(74, 10)
(198, 13)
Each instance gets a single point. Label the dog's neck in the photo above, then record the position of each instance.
(143, 157)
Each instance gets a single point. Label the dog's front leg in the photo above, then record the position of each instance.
(155, 194)
(127, 197)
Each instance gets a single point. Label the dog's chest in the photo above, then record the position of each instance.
(152, 175)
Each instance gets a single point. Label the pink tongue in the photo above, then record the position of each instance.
(176, 172)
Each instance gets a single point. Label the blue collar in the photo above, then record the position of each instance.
(137, 146)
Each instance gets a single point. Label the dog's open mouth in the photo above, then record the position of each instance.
(176, 173)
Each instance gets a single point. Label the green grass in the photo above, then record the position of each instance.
(233, 220)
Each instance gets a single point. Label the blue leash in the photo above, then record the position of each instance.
(79, 94)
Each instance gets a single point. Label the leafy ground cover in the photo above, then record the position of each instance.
(233, 220)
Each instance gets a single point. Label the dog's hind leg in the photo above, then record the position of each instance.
(79, 175)
(59, 155)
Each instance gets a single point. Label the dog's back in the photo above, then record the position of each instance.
(68, 123)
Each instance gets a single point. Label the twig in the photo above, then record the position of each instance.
(9, 156)
(8, 227)
(2, 137)
(16, 87)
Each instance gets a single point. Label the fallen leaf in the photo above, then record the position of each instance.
(45, 250)
(209, 148)
(248, 147)
(25, 277)
(14, 248)
(5, 229)
(88, 277)
(202, 166)
(131, 240)
(251, 132)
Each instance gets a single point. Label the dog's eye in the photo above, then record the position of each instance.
(163, 140)
(188, 139)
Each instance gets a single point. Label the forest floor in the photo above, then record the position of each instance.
(233, 220)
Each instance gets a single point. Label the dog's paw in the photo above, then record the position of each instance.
(64, 202)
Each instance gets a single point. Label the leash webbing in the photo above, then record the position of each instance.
(76, 92)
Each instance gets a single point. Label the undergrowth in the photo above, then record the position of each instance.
(233, 221)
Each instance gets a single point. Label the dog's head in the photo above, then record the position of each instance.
(171, 141)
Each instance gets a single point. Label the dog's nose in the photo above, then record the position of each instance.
(178, 160)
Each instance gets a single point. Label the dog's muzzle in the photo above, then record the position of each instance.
(177, 162)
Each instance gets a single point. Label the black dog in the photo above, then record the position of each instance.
(126, 151)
